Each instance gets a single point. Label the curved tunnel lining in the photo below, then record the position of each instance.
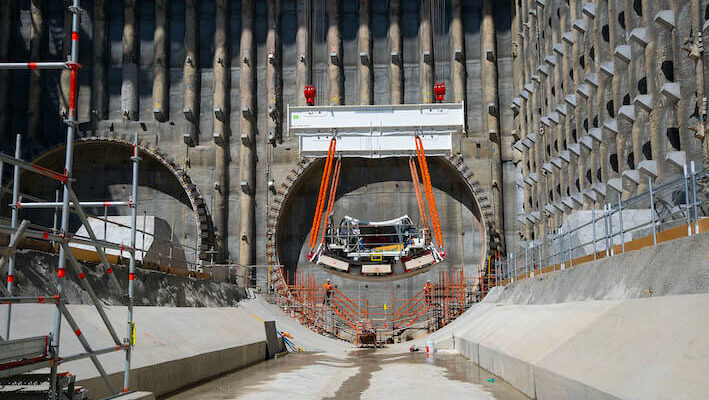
(205, 233)
(310, 168)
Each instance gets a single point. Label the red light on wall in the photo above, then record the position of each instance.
(309, 92)
(439, 89)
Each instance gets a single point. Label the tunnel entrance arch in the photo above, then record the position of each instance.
(290, 215)
(102, 171)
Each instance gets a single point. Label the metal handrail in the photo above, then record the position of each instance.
(558, 250)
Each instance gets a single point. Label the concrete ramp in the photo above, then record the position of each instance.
(633, 326)
(176, 347)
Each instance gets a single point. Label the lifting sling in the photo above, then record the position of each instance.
(331, 200)
(331, 186)
(429, 192)
(314, 231)
(417, 189)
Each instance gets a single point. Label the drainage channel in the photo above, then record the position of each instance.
(362, 375)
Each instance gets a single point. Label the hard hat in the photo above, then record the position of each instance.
(328, 280)
(428, 281)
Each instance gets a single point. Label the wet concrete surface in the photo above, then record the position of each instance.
(363, 375)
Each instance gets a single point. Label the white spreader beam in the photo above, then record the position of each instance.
(376, 131)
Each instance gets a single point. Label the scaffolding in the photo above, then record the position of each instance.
(337, 314)
(48, 355)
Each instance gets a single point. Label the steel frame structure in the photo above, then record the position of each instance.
(426, 201)
(69, 204)
(342, 316)
(376, 131)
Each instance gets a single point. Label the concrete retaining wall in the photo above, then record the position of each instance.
(677, 267)
(628, 327)
(174, 347)
(171, 376)
(653, 348)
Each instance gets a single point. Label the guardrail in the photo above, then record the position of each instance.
(674, 209)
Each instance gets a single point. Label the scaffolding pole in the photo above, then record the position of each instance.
(36, 65)
(13, 237)
(14, 241)
(42, 205)
(70, 203)
(68, 163)
(130, 334)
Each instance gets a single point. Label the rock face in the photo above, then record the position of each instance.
(36, 272)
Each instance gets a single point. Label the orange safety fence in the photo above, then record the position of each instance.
(340, 315)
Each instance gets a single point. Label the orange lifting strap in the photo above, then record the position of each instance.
(417, 189)
(331, 200)
(315, 230)
(429, 192)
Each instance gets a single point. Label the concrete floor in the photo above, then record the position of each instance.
(363, 375)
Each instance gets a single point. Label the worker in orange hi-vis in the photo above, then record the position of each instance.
(427, 289)
(327, 289)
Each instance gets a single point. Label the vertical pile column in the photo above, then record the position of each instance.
(537, 100)
(610, 167)
(588, 91)
(220, 134)
(491, 106)
(553, 61)
(638, 37)
(334, 48)
(547, 135)
(660, 72)
(99, 98)
(396, 73)
(425, 52)
(698, 125)
(191, 77)
(569, 158)
(621, 125)
(458, 50)
(687, 60)
(303, 72)
(129, 86)
(273, 71)
(604, 98)
(161, 98)
(578, 102)
(34, 91)
(645, 39)
(523, 76)
(365, 54)
(247, 161)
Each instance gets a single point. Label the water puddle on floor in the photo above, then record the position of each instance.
(363, 375)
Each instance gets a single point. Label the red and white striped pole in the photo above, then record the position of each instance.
(36, 65)
(14, 218)
(68, 162)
